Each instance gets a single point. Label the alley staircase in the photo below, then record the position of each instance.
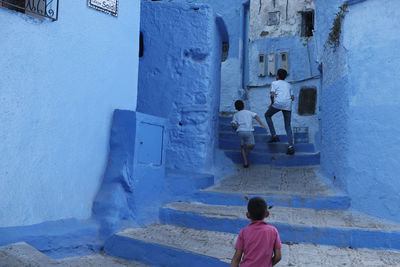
(314, 220)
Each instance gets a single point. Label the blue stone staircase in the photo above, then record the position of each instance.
(198, 224)
(264, 153)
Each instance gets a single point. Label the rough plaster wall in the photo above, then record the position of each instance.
(360, 105)
(60, 83)
(179, 79)
(289, 17)
(232, 69)
(374, 106)
(303, 72)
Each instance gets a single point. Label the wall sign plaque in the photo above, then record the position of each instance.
(107, 6)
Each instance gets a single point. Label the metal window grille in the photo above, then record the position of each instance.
(36, 8)
(300, 134)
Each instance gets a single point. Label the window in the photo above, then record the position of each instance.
(34, 8)
(307, 23)
(225, 51)
(273, 18)
(17, 5)
(307, 101)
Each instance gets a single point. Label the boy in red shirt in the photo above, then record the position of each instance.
(259, 243)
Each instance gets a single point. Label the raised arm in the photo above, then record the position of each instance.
(259, 121)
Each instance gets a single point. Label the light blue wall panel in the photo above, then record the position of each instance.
(60, 83)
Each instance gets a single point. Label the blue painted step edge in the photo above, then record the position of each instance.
(267, 148)
(258, 137)
(155, 254)
(335, 202)
(179, 185)
(278, 160)
(340, 237)
(57, 239)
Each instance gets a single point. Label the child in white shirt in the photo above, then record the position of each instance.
(242, 123)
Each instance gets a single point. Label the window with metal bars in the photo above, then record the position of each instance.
(35, 8)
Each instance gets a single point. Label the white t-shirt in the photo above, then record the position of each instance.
(244, 120)
(283, 92)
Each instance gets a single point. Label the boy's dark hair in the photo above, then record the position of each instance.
(257, 207)
(239, 105)
(282, 74)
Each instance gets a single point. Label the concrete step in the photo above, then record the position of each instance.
(265, 147)
(166, 245)
(274, 159)
(23, 255)
(162, 245)
(300, 225)
(179, 185)
(228, 128)
(259, 138)
(300, 187)
(57, 239)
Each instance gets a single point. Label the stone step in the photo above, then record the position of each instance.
(23, 255)
(181, 184)
(57, 239)
(259, 138)
(274, 159)
(300, 187)
(166, 245)
(265, 147)
(339, 202)
(299, 225)
(228, 128)
(163, 245)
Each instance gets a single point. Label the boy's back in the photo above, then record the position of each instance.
(258, 241)
(244, 120)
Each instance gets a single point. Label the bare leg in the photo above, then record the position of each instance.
(245, 164)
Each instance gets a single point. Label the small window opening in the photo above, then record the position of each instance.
(34, 8)
(17, 5)
(225, 51)
(307, 23)
(141, 45)
(307, 101)
(273, 18)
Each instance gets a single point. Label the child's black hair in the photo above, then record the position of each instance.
(282, 74)
(239, 105)
(257, 207)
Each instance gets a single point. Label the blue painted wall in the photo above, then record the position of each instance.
(303, 72)
(61, 82)
(232, 70)
(134, 177)
(179, 79)
(361, 106)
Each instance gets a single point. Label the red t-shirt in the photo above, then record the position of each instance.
(258, 241)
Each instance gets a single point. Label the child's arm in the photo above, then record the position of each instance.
(272, 96)
(277, 256)
(234, 126)
(259, 121)
(236, 258)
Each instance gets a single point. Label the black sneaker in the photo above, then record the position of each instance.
(290, 150)
(274, 139)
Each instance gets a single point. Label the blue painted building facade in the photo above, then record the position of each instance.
(360, 103)
(60, 90)
(61, 82)
(180, 78)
